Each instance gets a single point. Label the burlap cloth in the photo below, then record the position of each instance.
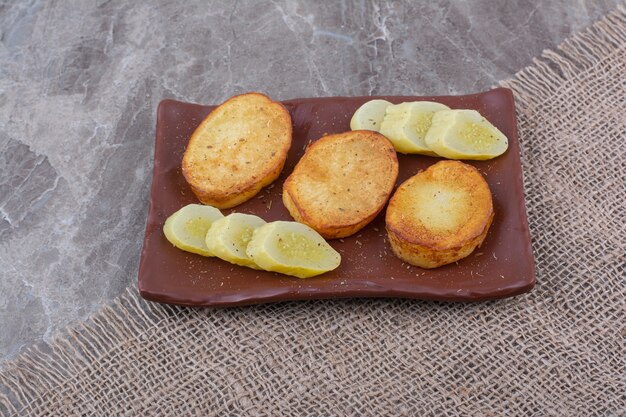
(556, 351)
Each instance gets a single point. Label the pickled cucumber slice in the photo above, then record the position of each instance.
(369, 116)
(187, 228)
(406, 124)
(465, 134)
(292, 248)
(228, 238)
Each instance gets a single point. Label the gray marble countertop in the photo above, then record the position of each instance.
(80, 82)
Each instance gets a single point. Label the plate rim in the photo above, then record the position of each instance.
(285, 294)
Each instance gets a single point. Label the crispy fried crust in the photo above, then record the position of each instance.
(342, 182)
(239, 148)
(439, 215)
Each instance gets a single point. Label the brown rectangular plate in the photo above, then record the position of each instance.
(502, 267)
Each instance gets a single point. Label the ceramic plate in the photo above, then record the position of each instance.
(502, 267)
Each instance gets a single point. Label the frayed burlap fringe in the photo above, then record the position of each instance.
(582, 51)
(556, 351)
(35, 374)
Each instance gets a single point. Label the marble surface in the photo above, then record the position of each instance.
(80, 82)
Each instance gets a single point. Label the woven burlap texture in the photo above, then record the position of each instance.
(556, 351)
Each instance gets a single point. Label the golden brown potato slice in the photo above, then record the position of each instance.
(342, 182)
(439, 215)
(238, 149)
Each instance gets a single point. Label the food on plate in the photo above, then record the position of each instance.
(187, 228)
(439, 215)
(433, 129)
(406, 124)
(292, 248)
(342, 182)
(239, 148)
(228, 238)
(465, 134)
(339, 185)
(244, 239)
(369, 116)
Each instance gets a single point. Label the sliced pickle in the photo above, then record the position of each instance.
(465, 134)
(369, 116)
(406, 124)
(292, 248)
(187, 228)
(228, 238)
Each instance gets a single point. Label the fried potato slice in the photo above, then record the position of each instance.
(239, 148)
(342, 182)
(439, 215)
